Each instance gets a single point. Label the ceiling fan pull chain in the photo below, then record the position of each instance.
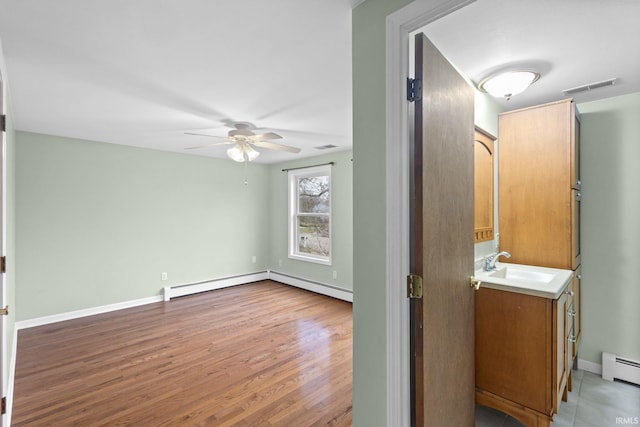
(246, 165)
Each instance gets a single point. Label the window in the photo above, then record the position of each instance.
(310, 214)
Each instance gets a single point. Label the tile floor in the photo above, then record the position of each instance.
(593, 402)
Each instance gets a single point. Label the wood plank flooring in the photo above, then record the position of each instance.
(262, 354)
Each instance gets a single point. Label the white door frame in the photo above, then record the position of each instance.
(5, 373)
(399, 25)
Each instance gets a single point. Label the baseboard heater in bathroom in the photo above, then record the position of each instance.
(621, 368)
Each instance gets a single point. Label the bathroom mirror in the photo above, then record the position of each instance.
(483, 206)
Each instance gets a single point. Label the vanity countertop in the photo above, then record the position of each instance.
(526, 279)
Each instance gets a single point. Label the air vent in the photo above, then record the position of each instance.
(589, 87)
(326, 147)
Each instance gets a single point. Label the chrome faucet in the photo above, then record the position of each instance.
(490, 261)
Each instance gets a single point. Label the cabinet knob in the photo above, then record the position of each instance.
(569, 292)
(579, 196)
(579, 276)
(572, 338)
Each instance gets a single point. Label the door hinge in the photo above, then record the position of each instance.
(4, 311)
(3, 123)
(474, 283)
(3, 264)
(414, 89)
(414, 286)
(3, 406)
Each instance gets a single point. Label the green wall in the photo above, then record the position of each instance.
(610, 230)
(369, 211)
(98, 223)
(342, 222)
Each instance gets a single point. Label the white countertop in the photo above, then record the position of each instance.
(526, 279)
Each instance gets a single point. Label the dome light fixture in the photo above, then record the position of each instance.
(508, 83)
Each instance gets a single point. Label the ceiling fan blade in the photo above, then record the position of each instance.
(203, 134)
(209, 145)
(266, 136)
(274, 146)
(227, 141)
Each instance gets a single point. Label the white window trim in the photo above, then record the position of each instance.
(292, 177)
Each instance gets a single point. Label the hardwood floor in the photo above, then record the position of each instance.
(262, 354)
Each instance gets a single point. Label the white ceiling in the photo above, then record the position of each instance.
(143, 72)
(570, 42)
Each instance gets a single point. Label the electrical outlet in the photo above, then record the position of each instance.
(335, 274)
(164, 275)
(253, 259)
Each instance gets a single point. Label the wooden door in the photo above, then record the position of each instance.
(443, 384)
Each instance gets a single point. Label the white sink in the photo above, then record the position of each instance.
(515, 273)
(527, 279)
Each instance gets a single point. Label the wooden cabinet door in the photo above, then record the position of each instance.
(561, 374)
(535, 185)
(576, 199)
(575, 151)
(576, 189)
(515, 350)
(577, 324)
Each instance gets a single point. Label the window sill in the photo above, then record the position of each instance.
(310, 259)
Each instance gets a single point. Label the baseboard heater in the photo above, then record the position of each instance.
(621, 368)
(210, 285)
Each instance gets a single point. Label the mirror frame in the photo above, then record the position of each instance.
(484, 164)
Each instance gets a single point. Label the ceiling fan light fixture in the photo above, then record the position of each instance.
(243, 140)
(251, 153)
(508, 83)
(236, 153)
(242, 152)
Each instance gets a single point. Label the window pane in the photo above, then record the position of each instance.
(313, 194)
(313, 235)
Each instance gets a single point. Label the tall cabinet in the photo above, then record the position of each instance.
(539, 195)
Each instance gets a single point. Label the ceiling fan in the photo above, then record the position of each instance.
(244, 140)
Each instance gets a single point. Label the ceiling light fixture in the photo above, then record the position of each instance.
(242, 152)
(508, 83)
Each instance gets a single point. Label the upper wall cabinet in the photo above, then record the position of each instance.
(539, 192)
(484, 158)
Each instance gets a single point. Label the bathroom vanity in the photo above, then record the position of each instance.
(524, 327)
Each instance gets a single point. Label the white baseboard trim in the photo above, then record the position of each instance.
(594, 368)
(45, 320)
(210, 285)
(183, 290)
(317, 287)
